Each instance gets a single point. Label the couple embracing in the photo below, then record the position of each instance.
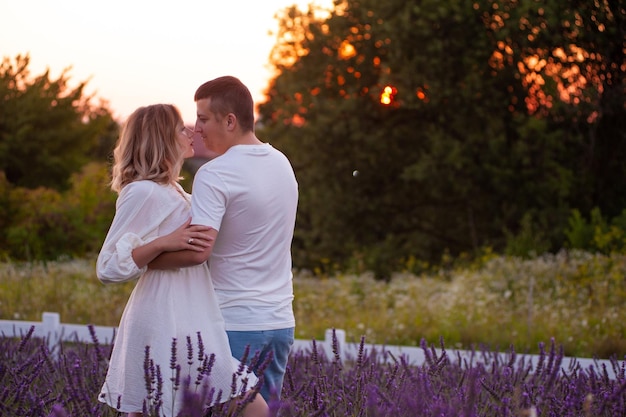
(213, 269)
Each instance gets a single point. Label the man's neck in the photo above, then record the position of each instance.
(248, 138)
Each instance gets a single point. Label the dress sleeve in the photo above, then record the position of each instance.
(139, 211)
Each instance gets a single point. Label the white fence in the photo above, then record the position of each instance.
(54, 331)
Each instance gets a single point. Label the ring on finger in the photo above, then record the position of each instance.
(190, 241)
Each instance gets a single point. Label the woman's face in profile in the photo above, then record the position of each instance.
(185, 139)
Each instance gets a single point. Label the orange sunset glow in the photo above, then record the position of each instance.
(142, 52)
(388, 94)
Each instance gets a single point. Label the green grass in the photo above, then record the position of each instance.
(68, 288)
(576, 298)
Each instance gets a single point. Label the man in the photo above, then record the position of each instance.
(248, 195)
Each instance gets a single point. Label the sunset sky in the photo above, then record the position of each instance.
(138, 52)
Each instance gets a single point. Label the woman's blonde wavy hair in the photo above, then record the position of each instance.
(148, 147)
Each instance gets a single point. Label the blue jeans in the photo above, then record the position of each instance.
(278, 342)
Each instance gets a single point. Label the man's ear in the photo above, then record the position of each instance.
(231, 121)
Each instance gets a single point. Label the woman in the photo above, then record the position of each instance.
(166, 307)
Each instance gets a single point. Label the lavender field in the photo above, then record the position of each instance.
(569, 304)
(64, 381)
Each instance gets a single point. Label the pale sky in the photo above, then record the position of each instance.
(139, 52)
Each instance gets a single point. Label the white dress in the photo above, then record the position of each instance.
(164, 305)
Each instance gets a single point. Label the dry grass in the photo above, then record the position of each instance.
(577, 298)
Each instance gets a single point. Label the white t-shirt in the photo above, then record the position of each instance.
(250, 196)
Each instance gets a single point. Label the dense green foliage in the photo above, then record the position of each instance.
(504, 116)
(54, 142)
(48, 130)
(502, 130)
(575, 297)
(44, 223)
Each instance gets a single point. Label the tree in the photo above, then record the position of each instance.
(465, 148)
(48, 130)
(571, 60)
